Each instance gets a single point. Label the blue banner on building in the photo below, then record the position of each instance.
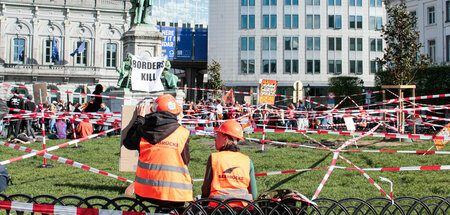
(184, 44)
(168, 44)
(201, 44)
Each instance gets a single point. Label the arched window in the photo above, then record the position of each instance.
(77, 98)
(22, 91)
(53, 96)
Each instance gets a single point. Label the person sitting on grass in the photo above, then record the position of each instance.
(61, 130)
(84, 129)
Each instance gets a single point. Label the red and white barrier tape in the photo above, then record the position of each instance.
(63, 210)
(65, 161)
(41, 152)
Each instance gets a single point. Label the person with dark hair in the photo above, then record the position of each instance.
(17, 103)
(229, 173)
(95, 103)
(31, 106)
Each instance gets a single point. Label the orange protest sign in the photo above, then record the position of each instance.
(444, 132)
(267, 91)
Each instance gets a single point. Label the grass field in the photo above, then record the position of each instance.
(103, 154)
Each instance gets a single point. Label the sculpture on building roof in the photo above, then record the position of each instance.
(140, 10)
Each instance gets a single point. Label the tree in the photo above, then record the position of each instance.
(344, 86)
(214, 80)
(401, 58)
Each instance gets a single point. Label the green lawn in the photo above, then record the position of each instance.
(103, 154)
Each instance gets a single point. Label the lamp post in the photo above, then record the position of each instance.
(363, 90)
(307, 89)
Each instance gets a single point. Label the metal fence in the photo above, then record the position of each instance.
(432, 205)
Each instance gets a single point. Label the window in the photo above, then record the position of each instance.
(375, 22)
(356, 67)
(244, 21)
(334, 2)
(313, 43)
(335, 21)
(335, 67)
(269, 42)
(447, 11)
(355, 22)
(243, 43)
(247, 66)
(111, 54)
(269, 21)
(251, 43)
(251, 21)
(432, 50)
(312, 2)
(356, 3)
(291, 43)
(81, 58)
(414, 14)
(431, 16)
(247, 2)
(375, 3)
(265, 21)
(312, 21)
(291, 21)
(270, 66)
(376, 45)
(355, 44)
(375, 67)
(19, 50)
(77, 98)
(48, 51)
(334, 44)
(448, 47)
(291, 66)
(273, 21)
(312, 66)
(291, 2)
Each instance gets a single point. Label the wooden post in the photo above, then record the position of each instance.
(384, 114)
(414, 106)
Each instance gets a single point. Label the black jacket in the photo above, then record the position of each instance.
(153, 128)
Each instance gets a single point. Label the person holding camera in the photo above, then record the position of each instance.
(162, 175)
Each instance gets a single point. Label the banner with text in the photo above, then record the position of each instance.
(267, 91)
(168, 44)
(146, 73)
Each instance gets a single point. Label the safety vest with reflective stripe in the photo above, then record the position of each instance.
(161, 172)
(231, 177)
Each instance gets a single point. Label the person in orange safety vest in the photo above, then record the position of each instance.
(229, 173)
(162, 175)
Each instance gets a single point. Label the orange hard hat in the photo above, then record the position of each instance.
(232, 128)
(166, 102)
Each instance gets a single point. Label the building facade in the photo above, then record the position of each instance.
(433, 24)
(292, 40)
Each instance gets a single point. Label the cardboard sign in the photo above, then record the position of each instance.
(267, 91)
(40, 93)
(444, 132)
(349, 124)
(146, 73)
(128, 158)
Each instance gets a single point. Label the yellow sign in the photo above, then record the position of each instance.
(444, 132)
(267, 91)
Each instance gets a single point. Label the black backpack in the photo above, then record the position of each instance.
(5, 179)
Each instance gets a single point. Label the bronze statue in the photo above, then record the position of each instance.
(168, 79)
(140, 10)
(125, 73)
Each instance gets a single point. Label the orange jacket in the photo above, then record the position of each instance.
(231, 177)
(161, 173)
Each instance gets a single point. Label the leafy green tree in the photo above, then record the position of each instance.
(401, 59)
(345, 85)
(214, 80)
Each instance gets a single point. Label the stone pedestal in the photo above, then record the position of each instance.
(133, 98)
(142, 40)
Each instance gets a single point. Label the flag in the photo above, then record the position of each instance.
(21, 51)
(55, 51)
(444, 132)
(229, 97)
(80, 49)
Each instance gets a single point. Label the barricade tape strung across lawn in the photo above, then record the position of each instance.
(65, 161)
(117, 114)
(335, 132)
(401, 152)
(421, 97)
(56, 147)
(63, 210)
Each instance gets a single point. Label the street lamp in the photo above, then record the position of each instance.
(363, 90)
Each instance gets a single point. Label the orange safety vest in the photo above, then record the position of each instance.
(161, 172)
(231, 177)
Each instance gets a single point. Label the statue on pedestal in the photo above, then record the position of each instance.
(125, 73)
(140, 10)
(168, 79)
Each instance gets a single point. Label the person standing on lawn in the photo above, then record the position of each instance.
(162, 175)
(229, 173)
